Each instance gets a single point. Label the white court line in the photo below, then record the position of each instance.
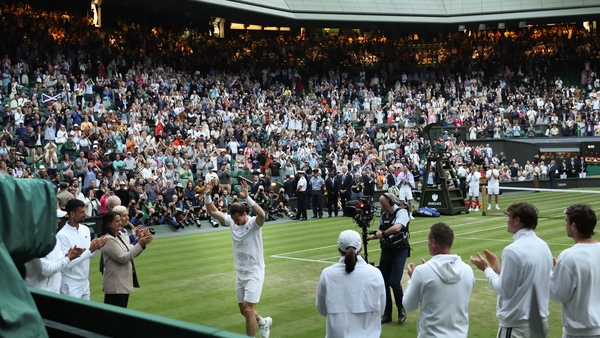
(506, 240)
(412, 232)
(301, 259)
(285, 255)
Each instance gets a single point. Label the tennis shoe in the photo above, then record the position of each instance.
(265, 330)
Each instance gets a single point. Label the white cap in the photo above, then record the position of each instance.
(60, 213)
(349, 238)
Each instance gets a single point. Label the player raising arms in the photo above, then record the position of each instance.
(248, 256)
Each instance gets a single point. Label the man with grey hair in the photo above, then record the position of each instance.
(112, 202)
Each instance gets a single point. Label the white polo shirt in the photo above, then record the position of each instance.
(247, 243)
(78, 270)
(302, 184)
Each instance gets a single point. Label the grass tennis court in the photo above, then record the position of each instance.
(191, 278)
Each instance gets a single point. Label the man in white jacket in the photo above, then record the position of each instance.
(442, 286)
(526, 264)
(44, 273)
(574, 281)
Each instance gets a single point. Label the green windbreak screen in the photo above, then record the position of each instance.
(27, 231)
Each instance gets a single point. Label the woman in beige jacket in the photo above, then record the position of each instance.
(119, 279)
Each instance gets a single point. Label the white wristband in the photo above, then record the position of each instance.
(250, 201)
(207, 199)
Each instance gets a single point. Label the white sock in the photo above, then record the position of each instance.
(262, 321)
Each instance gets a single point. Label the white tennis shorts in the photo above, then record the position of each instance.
(493, 190)
(249, 285)
(473, 190)
(405, 193)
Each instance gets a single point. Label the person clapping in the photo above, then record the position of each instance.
(119, 278)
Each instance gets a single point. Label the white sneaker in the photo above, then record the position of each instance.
(476, 209)
(489, 207)
(497, 207)
(412, 217)
(265, 329)
(470, 209)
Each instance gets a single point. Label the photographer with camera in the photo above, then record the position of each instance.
(393, 238)
(261, 197)
(282, 201)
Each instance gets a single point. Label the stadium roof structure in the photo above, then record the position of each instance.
(413, 11)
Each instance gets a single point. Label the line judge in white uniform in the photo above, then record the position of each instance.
(44, 273)
(75, 281)
(248, 255)
(351, 293)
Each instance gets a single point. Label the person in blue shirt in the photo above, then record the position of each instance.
(317, 184)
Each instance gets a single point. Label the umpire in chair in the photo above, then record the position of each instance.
(393, 235)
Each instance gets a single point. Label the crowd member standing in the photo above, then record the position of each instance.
(345, 186)
(442, 286)
(393, 236)
(526, 264)
(332, 184)
(248, 255)
(472, 181)
(75, 281)
(317, 183)
(493, 181)
(462, 174)
(288, 186)
(349, 313)
(552, 172)
(301, 194)
(574, 281)
(536, 175)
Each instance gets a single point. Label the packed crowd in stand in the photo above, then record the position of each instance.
(151, 118)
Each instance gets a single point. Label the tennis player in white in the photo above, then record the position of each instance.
(248, 256)
(406, 182)
(473, 182)
(493, 179)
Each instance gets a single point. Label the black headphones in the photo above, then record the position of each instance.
(386, 195)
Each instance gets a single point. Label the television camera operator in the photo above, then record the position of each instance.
(393, 238)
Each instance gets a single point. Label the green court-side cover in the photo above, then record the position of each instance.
(27, 231)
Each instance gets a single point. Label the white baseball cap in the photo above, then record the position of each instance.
(349, 238)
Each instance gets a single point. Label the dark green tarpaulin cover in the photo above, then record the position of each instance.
(27, 231)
